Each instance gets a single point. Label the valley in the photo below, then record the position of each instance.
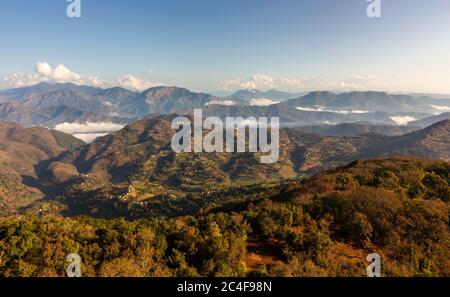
(224, 147)
(135, 172)
(131, 206)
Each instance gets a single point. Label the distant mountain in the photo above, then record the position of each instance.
(71, 99)
(373, 101)
(313, 99)
(163, 100)
(85, 98)
(292, 116)
(432, 95)
(369, 102)
(26, 116)
(21, 94)
(53, 104)
(66, 114)
(430, 120)
(52, 115)
(112, 102)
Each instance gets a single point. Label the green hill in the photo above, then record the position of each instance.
(325, 225)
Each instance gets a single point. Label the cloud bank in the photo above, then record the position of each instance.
(266, 82)
(262, 102)
(323, 109)
(402, 120)
(441, 108)
(88, 127)
(88, 131)
(44, 72)
(89, 137)
(222, 102)
(136, 83)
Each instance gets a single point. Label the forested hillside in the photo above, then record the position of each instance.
(321, 226)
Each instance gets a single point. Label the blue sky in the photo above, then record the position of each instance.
(228, 44)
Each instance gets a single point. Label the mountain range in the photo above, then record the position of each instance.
(370, 101)
(127, 172)
(430, 120)
(255, 97)
(51, 105)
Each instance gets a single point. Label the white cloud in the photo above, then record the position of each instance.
(402, 120)
(341, 111)
(262, 102)
(136, 83)
(223, 102)
(265, 82)
(107, 103)
(44, 72)
(44, 69)
(89, 137)
(88, 127)
(18, 79)
(256, 81)
(366, 83)
(441, 108)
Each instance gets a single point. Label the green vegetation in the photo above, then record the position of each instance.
(322, 226)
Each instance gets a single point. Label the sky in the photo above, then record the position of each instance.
(225, 45)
